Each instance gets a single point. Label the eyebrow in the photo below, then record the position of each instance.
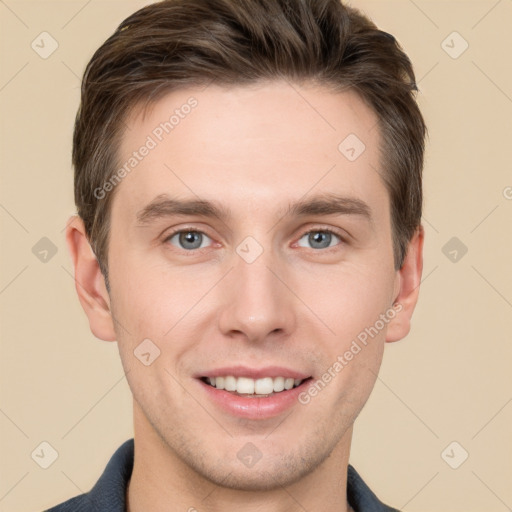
(164, 206)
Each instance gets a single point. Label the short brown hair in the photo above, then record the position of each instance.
(180, 43)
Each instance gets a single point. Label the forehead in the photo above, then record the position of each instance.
(259, 144)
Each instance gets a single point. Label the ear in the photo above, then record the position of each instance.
(407, 288)
(89, 281)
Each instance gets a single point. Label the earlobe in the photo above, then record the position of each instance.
(408, 284)
(89, 281)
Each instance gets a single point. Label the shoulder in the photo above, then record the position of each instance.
(108, 494)
(80, 503)
(361, 497)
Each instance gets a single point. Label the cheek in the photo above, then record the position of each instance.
(348, 299)
(150, 302)
(150, 313)
(149, 299)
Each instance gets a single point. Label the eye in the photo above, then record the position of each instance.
(320, 238)
(188, 239)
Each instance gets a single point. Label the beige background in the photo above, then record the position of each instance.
(450, 380)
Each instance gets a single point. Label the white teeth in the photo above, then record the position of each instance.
(264, 386)
(245, 385)
(230, 383)
(278, 384)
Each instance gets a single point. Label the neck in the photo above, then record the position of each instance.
(163, 482)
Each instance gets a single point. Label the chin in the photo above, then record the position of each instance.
(262, 479)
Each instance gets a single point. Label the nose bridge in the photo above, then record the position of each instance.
(257, 302)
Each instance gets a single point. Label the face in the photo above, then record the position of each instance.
(247, 243)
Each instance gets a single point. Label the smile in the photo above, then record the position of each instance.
(256, 398)
(245, 386)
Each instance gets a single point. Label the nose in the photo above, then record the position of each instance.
(257, 303)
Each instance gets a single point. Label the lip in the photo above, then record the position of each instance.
(253, 408)
(254, 373)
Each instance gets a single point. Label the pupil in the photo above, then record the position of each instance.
(191, 237)
(319, 236)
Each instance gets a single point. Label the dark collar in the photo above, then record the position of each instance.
(108, 494)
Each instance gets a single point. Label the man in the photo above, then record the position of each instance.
(248, 184)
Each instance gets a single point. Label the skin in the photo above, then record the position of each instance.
(253, 149)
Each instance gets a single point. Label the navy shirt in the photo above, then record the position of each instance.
(108, 494)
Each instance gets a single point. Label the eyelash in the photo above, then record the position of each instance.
(314, 230)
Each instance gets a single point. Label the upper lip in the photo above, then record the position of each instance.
(255, 373)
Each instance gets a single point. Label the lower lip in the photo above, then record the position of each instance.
(254, 408)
